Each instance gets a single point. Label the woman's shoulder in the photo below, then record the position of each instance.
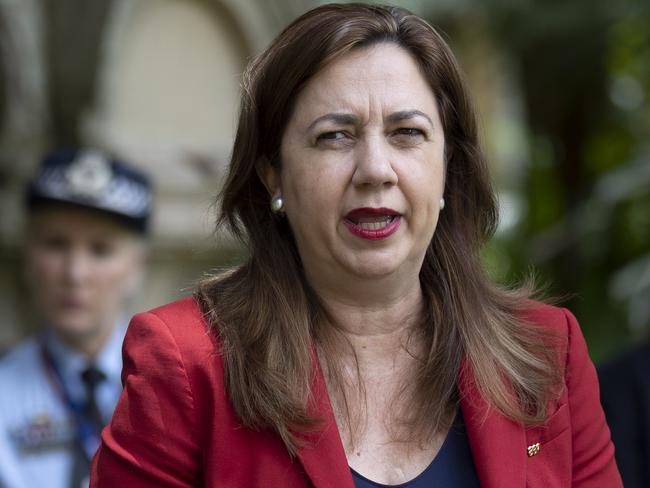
(560, 330)
(558, 320)
(180, 312)
(181, 322)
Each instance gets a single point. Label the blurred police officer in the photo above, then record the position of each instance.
(84, 256)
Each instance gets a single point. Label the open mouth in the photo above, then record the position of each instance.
(372, 223)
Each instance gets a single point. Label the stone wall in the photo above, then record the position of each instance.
(155, 82)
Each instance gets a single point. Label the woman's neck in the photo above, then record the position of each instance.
(89, 342)
(369, 362)
(375, 324)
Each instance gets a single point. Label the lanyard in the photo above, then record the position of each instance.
(88, 432)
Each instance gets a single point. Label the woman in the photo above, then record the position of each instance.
(361, 343)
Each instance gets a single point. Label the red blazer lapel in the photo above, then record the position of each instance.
(322, 454)
(498, 444)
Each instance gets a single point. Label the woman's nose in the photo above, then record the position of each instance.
(373, 163)
(78, 266)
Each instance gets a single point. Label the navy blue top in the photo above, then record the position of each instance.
(453, 467)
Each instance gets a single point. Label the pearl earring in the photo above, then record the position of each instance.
(442, 203)
(277, 204)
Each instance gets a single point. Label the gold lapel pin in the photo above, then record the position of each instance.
(533, 449)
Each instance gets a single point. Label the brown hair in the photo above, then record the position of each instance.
(265, 312)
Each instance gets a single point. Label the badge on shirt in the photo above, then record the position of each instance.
(42, 433)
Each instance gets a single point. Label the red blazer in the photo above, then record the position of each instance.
(174, 425)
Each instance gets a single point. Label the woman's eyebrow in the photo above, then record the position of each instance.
(351, 119)
(407, 114)
(336, 117)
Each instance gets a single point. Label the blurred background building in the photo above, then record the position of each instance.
(563, 91)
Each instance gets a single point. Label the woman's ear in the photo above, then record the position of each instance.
(268, 174)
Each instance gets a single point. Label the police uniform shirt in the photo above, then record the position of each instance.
(36, 430)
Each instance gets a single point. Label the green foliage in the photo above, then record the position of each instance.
(584, 72)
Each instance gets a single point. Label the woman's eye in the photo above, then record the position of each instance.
(101, 249)
(408, 136)
(55, 243)
(332, 136)
(409, 131)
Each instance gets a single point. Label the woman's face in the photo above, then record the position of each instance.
(81, 266)
(362, 168)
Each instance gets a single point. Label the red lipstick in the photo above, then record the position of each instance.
(372, 223)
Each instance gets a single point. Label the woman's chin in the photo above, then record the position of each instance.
(376, 268)
(74, 324)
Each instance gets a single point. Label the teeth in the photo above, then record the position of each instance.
(375, 225)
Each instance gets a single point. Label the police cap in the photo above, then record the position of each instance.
(91, 179)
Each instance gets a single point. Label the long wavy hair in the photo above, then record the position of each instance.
(269, 320)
